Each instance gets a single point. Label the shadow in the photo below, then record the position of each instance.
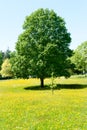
(46, 87)
(58, 87)
(5, 78)
(71, 86)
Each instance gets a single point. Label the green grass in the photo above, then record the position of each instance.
(34, 109)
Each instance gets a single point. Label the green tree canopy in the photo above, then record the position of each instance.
(80, 57)
(44, 45)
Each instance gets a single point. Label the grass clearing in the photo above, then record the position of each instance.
(27, 109)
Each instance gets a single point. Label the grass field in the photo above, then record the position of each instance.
(23, 106)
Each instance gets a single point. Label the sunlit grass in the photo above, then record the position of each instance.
(22, 109)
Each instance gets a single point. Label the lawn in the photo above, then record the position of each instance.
(23, 106)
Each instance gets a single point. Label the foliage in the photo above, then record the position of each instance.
(30, 110)
(1, 58)
(6, 69)
(7, 54)
(80, 58)
(19, 65)
(44, 44)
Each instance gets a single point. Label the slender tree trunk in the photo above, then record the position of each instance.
(42, 82)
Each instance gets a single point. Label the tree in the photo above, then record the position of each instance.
(7, 54)
(1, 58)
(45, 45)
(6, 69)
(80, 58)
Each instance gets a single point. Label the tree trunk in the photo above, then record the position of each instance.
(42, 82)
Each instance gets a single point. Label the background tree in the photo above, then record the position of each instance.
(6, 69)
(45, 45)
(80, 58)
(1, 58)
(7, 54)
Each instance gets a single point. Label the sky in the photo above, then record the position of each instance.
(13, 13)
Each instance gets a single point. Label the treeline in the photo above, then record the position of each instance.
(78, 60)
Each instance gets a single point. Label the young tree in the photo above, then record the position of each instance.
(6, 69)
(45, 45)
(80, 58)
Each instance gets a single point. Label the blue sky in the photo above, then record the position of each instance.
(13, 13)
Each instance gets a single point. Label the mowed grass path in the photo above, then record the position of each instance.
(29, 109)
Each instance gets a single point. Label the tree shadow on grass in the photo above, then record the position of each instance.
(72, 86)
(37, 88)
(58, 87)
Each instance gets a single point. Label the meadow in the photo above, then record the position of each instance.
(23, 106)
